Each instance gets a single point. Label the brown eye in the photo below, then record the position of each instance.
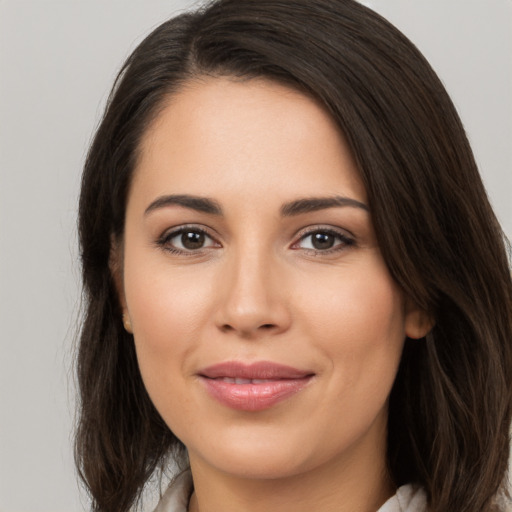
(192, 240)
(322, 241)
(187, 240)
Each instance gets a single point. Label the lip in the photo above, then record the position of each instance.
(255, 386)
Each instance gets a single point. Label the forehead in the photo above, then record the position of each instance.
(226, 134)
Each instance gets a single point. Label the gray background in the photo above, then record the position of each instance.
(58, 59)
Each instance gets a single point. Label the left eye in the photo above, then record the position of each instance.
(322, 240)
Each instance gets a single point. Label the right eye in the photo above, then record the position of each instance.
(186, 240)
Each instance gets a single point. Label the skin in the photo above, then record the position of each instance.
(257, 289)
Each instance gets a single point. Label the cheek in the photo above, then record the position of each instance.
(356, 305)
(163, 304)
(358, 322)
(168, 312)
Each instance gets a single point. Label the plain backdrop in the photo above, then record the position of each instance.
(58, 59)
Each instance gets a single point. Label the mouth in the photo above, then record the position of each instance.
(253, 387)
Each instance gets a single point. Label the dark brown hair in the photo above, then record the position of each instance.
(450, 407)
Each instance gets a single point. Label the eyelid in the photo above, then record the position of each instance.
(346, 237)
(164, 239)
(323, 227)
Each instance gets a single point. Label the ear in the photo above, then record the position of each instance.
(418, 322)
(115, 264)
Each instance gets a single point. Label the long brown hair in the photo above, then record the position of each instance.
(451, 405)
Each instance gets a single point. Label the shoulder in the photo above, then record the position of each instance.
(408, 498)
(177, 495)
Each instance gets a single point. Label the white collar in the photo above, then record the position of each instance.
(175, 499)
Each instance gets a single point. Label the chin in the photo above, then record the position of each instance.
(266, 457)
(261, 466)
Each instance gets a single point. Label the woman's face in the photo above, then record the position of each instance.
(267, 327)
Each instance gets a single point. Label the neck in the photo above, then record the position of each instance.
(359, 485)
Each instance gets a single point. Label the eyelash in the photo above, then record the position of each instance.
(344, 240)
(164, 241)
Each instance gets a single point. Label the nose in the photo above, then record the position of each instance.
(253, 298)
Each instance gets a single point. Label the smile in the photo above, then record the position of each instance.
(253, 387)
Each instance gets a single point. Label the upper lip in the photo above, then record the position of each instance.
(256, 370)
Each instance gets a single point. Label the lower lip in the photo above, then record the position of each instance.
(254, 397)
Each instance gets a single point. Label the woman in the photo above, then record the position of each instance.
(295, 283)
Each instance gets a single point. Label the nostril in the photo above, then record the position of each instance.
(229, 328)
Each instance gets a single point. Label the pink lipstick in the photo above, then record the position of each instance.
(255, 386)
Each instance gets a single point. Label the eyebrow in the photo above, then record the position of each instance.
(297, 207)
(200, 204)
(314, 204)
